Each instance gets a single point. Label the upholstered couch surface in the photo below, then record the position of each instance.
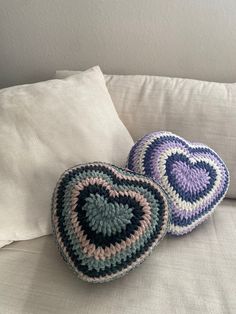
(192, 274)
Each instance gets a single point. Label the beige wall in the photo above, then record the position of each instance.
(184, 38)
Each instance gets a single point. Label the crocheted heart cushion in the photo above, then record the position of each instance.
(106, 220)
(194, 177)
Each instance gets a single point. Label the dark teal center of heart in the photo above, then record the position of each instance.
(106, 217)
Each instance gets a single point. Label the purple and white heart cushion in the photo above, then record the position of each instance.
(194, 177)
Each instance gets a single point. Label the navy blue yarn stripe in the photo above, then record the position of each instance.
(112, 269)
(98, 239)
(160, 141)
(184, 222)
(72, 173)
(176, 220)
(109, 270)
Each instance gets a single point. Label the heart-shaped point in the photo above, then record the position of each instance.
(107, 220)
(193, 175)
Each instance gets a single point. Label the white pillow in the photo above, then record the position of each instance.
(196, 110)
(46, 128)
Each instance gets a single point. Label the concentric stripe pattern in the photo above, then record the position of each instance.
(194, 177)
(107, 220)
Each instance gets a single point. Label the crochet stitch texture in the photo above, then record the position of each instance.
(107, 220)
(194, 177)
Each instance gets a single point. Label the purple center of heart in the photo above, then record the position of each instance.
(190, 178)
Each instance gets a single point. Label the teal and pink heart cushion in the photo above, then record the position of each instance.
(107, 220)
(194, 177)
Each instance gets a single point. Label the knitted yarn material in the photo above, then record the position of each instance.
(107, 220)
(194, 177)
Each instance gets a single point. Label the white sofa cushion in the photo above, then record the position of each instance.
(192, 274)
(196, 110)
(46, 128)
